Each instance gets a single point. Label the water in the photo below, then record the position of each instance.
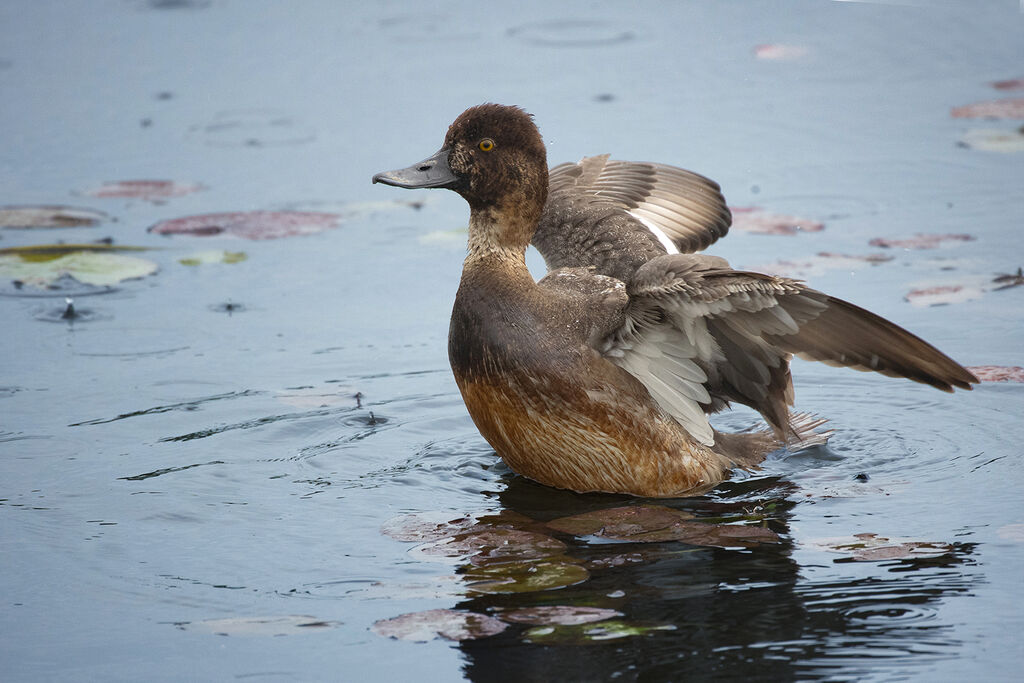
(225, 441)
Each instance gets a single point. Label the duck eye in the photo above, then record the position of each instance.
(486, 145)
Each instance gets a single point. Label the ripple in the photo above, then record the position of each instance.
(571, 33)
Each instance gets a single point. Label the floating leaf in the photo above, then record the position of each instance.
(143, 189)
(253, 225)
(1010, 84)
(780, 52)
(994, 140)
(821, 263)
(437, 525)
(874, 548)
(1007, 280)
(920, 241)
(654, 524)
(558, 615)
(450, 624)
(996, 109)
(941, 295)
(494, 545)
(44, 265)
(998, 373)
(258, 626)
(590, 633)
(756, 220)
(49, 217)
(525, 577)
(213, 256)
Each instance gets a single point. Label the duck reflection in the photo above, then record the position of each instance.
(709, 613)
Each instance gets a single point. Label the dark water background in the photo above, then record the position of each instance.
(166, 464)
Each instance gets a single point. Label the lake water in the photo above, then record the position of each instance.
(195, 473)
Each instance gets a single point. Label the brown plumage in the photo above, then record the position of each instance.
(601, 376)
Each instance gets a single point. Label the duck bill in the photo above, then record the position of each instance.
(432, 172)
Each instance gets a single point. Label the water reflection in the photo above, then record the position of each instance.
(713, 613)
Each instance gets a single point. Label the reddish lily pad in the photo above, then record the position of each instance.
(998, 373)
(258, 626)
(654, 524)
(252, 225)
(449, 624)
(996, 109)
(823, 262)
(756, 220)
(25, 217)
(941, 295)
(582, 634)
(1009, 84)
(143, 189)
(781, 52)
(558, 615)
(490, 545)
(874, 548)
(920, 241)
(525, 577)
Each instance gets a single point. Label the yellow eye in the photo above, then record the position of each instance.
(486, 145)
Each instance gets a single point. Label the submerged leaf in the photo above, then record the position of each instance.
(560, 615)
(252, 225)
(91, 267)
(525, 577)
(213, 256)
(869, 547)
(494, 545)
(143, 189)
(450, 624)
(49, 217)
(441, 524)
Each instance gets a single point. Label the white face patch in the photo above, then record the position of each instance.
(659, 233)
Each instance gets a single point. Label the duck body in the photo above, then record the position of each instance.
(600, 376)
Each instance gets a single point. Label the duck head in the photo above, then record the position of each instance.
(493, 156)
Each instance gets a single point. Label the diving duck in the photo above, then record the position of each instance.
(601, 376)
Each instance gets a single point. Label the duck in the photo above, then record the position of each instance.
(600, 377)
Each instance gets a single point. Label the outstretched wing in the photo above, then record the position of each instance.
(596, 206)
(699, 335)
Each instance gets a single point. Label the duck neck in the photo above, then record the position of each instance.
(497, 235)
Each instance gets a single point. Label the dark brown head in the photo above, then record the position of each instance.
(493, 156)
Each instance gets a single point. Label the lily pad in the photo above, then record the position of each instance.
(143, 189)
(781, 52)
(591, 633)
(558, 615)
(655, 524)
(869, 547)
(200, 258)
(920, 241)
(1009, 84)
(1007, 280)
(823, 262)
(941, 295)
(26, 217)
(252, 225)
(998, 373)
(756, 220)
(525, 577)
(439, 524)
(1012, 108)
(43, 265)
(994, 140)
(258, 626)
(494, 545)
(449, 624)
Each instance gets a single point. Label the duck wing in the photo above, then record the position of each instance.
(616, 215)
(698, 333)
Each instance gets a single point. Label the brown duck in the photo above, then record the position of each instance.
(600, 376)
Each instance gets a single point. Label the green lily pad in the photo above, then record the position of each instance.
(581, 634)
(525, 577)
(97, 265)
(258, 626)
(449, 624)
(558, 615)
(869, 547)
(26, 217)
(200, 258)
